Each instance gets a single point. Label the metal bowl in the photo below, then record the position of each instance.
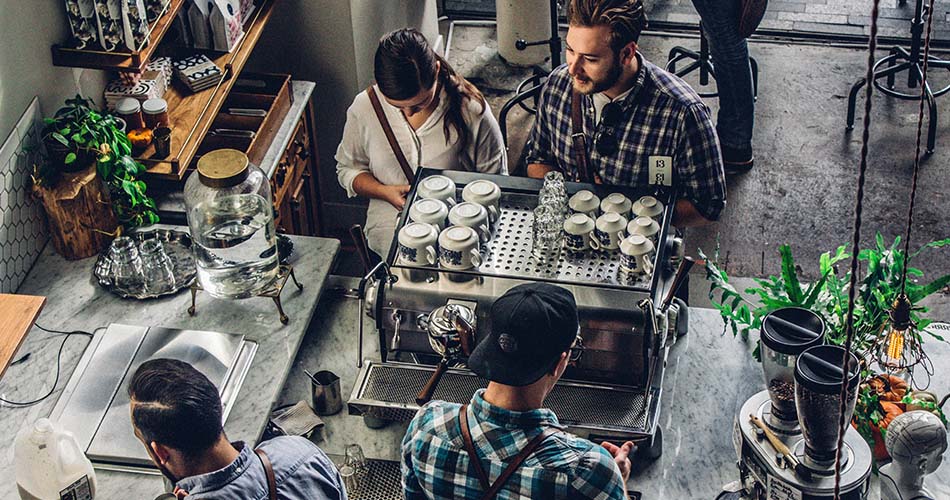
(178, 247)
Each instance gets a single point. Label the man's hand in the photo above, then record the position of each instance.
(395, 195)
(621, 456)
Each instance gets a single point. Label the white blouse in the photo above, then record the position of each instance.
(364, 148)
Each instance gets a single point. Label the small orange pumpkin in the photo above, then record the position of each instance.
(891, 411)
(888, 387)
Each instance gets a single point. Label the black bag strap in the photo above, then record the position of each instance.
(578, 139)
(390, 136)
(269, 472)
(492, 489)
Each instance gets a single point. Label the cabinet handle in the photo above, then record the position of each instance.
(302, 151)
(281, 174)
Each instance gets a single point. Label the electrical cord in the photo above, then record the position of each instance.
(59, 356)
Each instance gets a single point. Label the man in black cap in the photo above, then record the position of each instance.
(503, 437)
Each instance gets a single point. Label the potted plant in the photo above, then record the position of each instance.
(881, 397)
(84, 144)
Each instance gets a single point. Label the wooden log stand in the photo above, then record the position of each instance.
(79, 212)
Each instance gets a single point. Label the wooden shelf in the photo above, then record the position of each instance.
(118, 61)
(191, 114)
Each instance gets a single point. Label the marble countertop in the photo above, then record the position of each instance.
(76, 302)
(171, 205)
(709, 376)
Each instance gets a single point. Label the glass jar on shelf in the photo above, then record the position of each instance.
(231, 217)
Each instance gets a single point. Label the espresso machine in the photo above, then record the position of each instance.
(428, 318)
(786, 436)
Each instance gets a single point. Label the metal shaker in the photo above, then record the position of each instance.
(325, 392)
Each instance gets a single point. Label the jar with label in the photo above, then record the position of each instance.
(231, 217)
(130, 110)
(155, 112)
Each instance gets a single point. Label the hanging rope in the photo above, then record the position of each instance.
(855, 242)
(920, 125)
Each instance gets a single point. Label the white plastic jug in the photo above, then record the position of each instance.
(50, 465)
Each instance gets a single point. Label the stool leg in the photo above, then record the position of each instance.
(852, 101)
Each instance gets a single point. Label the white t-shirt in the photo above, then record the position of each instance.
(364, 148)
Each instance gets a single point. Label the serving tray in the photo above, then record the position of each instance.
(178, 247)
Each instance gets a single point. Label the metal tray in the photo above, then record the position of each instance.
(178, 247)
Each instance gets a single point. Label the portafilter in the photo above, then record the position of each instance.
(451, 331)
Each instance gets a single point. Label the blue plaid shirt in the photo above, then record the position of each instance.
(662, 116)
(435, 464)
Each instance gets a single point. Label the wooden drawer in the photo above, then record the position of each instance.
(250, 116)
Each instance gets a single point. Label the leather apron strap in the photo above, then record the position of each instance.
(269, 472)
(390, 136)
(578, 139)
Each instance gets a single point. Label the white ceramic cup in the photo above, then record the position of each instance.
(585, 202)
(439, 187)
(616, 202)
(577, 231)
(644, 226)
(609, 231)
(417, 243)
(471, 215)
(636, 255)
(485, 193)
(429, 211)
(647, 206)
(458, 248)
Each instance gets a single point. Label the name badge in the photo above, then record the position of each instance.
(661, 170)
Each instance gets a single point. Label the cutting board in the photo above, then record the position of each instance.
(17, 314)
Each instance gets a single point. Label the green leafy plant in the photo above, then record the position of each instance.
(828, 295)
(78, 135)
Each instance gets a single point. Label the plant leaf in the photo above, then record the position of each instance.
(59, 138)
(70, 157)
(792, 287)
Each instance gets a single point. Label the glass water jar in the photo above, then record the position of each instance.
(231, 217)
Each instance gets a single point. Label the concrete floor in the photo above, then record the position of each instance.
(802, 190)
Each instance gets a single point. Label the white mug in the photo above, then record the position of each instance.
(429, 211)
(644, 226)
(647, 206)
(439, 187)
(577, 230)
(458, 248)
(616, 202)
(636, 256)
(608, 231)
(485, 193)
(417, 242)
(471, 215)
(584, 202)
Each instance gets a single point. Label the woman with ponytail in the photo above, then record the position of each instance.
(438, 120)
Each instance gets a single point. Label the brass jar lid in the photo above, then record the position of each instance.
(222, 168)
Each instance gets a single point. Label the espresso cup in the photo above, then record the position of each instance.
(485, 193)
(584, 202)
(646, 227)
(608, 231)
(636, 255)
(458, 248)
(616, 202)
(417, 242)
(439, 187)
(577, 230)
(647, 206)
(471, 215)
(429, 211)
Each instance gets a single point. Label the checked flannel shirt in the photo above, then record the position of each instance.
(435, 464)
(662, 116)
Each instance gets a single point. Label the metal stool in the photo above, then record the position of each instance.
(911, 61)
(702, 61)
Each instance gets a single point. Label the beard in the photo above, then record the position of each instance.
(590, 86)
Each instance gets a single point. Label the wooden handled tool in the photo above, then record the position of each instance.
(780, 447)
(425, 395)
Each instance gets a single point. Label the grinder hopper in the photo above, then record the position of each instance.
(785, 334)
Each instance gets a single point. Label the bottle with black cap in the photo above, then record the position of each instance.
(818, 377)
(786, 333)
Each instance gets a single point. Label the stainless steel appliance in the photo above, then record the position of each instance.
(626, 327)
(95, 405)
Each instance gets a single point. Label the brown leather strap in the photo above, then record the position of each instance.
(578, 139)
(269, 472)
(492, 489)
(390, 136)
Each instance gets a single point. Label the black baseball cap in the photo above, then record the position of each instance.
(531, 325)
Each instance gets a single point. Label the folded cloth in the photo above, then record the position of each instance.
(298, 420)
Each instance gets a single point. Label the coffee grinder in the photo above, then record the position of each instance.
(786, 436)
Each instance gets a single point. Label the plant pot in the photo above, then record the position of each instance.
(79, 212)
(56, 154)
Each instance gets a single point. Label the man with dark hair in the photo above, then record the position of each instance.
(611, 116)
(176, 413)
(503, 437)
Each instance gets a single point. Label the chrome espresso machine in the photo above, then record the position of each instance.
(429, 318)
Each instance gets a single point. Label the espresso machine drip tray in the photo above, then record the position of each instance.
(94, 406)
